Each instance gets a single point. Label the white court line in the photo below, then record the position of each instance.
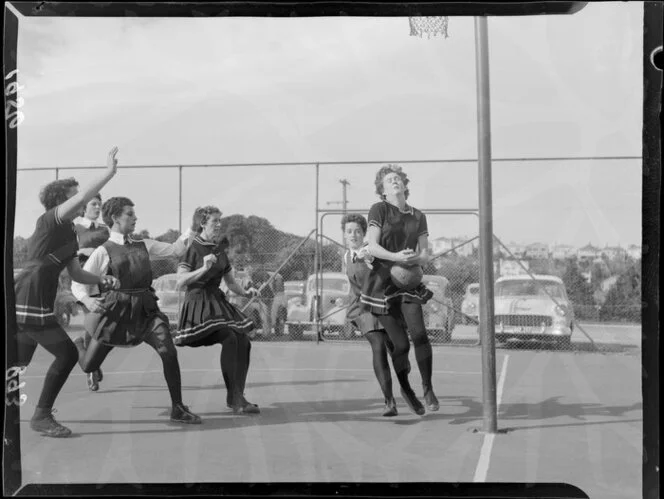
(285, 369)
(485, 454)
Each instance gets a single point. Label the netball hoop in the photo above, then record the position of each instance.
(430, 26)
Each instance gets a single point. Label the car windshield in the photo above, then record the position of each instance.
(474, 290)
(331, 284)
(530, 288)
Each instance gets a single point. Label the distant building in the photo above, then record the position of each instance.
(614, 252)
(538, 251)
(634, 251)
(516, 250)
(562, 252)
(588, 252)
(460, 245)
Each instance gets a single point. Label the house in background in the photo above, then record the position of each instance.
(588, 253)
(538, 251)
(516, 250)
(614, 252)
(563, 252)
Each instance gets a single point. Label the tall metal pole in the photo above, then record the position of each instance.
(344, 199)
(316, 260)
(487, 326)
(180, 199)
(57, 173)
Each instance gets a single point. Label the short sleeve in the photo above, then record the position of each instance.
(377, 215)
(423, 229)
(189, 261)
(224, 263)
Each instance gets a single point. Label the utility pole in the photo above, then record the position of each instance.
(344, 198)
(344, 202)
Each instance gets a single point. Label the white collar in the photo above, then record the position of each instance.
(86, 222)
(118, 238)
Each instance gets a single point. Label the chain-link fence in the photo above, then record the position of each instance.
(301, 280)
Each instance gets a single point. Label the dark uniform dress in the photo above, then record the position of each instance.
(358, 313)
(400, 230)
(50, 249)
(90, 237)
(130, 310)
(205, 309)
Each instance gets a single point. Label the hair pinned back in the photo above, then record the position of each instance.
(386, 170)
(201, 216)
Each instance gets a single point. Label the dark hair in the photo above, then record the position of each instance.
(55, 193)
(354, 217)
(96, 196)
(385, 170)
(201, 216)
(113, 208)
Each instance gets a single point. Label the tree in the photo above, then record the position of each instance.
(20, 251)
(170, 236)
(144, 234)
(623, 301)
(579, 291)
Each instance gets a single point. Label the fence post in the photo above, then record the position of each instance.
(487, 327)
(180, 198)
(317, 258)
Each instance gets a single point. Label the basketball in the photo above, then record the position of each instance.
(406, 277)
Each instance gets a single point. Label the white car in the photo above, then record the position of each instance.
(335, 298)
(524, 309)
(470, 306)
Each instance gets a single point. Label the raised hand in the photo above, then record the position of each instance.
(111, 161)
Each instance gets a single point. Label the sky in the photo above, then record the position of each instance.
(341, 89)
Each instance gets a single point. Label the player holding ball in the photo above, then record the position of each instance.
(398, 240)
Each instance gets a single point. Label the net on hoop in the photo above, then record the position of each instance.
(421, 25)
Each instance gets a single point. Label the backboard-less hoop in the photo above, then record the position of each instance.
(431, 26)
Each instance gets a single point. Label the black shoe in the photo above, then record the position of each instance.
(244, 407)
(390, 408)
(181, 414)
(431, 401)
(100, 375)
(412, 401)
(93, 383)
(48, 426)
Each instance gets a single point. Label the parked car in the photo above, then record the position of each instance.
(524, 309)
(293, 289)
(335, 297)
(170, 297)
(257, 310)
(439, 310)
(470, 306)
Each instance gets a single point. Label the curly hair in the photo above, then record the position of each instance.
(201, 216)
(354, 217)
(55, 193)
(385, 170)
(113, 207)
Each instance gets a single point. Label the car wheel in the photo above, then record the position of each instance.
(446, 335)
(564, 343)
(280, 322)
(296, 331)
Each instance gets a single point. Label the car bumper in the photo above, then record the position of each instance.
(551, 332)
